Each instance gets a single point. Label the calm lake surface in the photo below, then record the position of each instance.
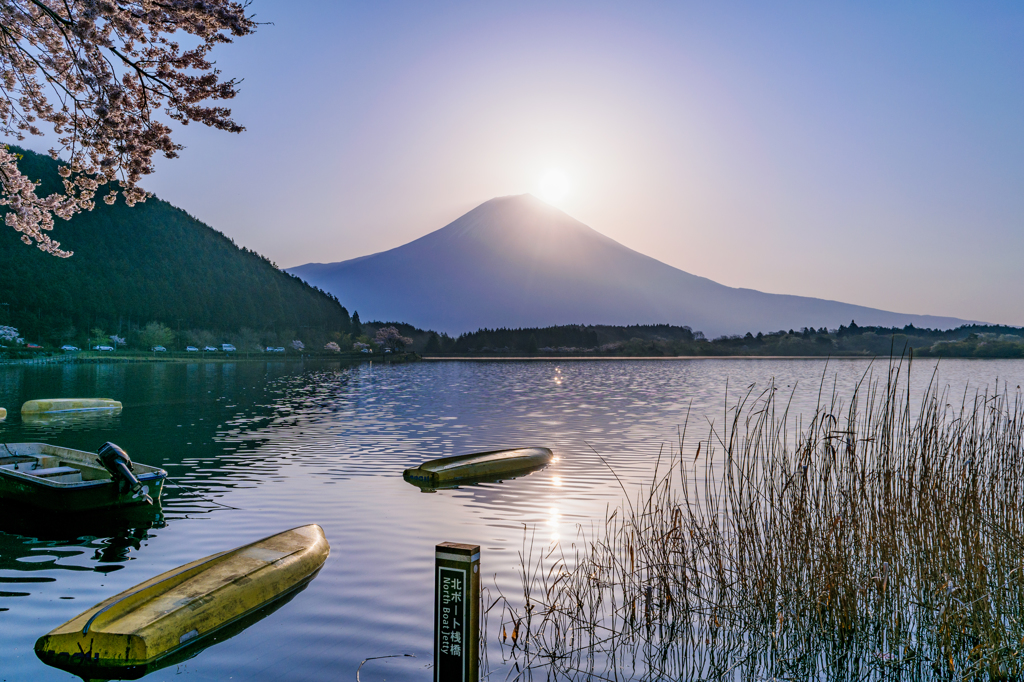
(257, 448)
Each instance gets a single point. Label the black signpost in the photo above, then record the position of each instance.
(456, 612)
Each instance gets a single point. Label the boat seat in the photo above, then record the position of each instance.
(16, 460)
(58, 474)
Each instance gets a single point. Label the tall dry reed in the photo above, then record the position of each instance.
(881, 539)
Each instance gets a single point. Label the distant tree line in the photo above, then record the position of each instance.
(670, 340)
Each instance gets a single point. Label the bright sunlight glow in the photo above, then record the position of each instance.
(554, 186)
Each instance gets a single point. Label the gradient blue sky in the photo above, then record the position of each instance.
(870, 152)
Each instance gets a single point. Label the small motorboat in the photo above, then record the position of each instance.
(69, 405)
(136, 630)
(479, 466)
(56, 479)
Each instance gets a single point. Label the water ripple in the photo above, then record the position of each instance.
(255, 448)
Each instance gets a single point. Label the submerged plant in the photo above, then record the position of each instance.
(874, 541)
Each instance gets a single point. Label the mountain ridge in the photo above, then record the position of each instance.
(516, 261)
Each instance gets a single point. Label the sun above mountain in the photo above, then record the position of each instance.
(553, 186)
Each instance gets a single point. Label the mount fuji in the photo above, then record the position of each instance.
(518, 262)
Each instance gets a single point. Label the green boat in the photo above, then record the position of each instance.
(477, 467)
(56, 479)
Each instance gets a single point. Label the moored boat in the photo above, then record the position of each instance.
(140, 627)
(56, 479)
(69, 405)
(477, 466)
(193, 648)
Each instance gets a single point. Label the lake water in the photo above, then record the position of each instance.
(257, 448)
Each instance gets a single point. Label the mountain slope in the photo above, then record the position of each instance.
(516, 261)
(153, 262)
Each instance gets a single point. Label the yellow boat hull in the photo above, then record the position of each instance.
(172, 611)
(69, 405)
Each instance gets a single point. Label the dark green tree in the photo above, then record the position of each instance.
(155, 334)
(433, 344)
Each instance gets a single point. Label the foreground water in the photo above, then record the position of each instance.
(256, 448)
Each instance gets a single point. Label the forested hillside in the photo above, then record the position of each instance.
(149, 263)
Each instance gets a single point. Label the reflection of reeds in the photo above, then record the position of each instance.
(877, 540)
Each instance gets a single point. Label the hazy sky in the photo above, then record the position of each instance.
(871, 152)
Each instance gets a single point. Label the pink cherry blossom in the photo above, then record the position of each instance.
(103, 74)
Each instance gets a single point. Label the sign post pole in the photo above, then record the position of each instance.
(456, 612)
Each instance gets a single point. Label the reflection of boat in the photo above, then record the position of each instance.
(34, 542)
(63, 420)
(61, 479)
(480, 466)
(69, 405)
(31, 559)
(140, 629)
(38, 524)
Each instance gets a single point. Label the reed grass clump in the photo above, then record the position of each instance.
(881, 539)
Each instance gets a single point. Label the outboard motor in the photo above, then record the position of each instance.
(119, 464)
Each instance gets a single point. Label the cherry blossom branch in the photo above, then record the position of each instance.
(111, 69)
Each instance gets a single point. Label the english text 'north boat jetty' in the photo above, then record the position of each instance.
(132, 632)
(56, 479)
(478, 466)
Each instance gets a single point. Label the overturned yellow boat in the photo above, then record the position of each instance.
(136, 629)
(48, 405)
(492, 465)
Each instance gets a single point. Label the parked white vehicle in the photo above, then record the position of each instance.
(158, 349)
(103, 348)
(210, 349)
(191, 349)
(69, 349)
(227, 347)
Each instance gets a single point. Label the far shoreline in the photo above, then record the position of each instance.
(477, 358)
(151, 358)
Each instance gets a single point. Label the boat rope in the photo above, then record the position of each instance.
(374, 658)
(193, 491)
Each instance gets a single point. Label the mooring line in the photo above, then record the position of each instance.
(193, 491)
(374, 658)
